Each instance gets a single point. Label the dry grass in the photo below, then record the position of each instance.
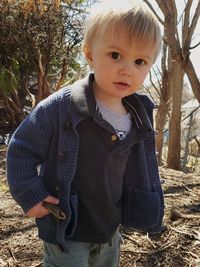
(177, 246)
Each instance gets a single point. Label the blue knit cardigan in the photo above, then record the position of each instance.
(42, 158)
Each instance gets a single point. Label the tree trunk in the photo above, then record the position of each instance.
(17, 107)
(161, 117)
(13, 111)
(38, 97)
(174, 146)
(186, 149)
(43, 86)
(192, 76)
(63, 74)
(163, 108)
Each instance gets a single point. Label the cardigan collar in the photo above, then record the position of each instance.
(83, 102)
(82, 96)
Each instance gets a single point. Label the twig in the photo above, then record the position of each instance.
(2, 263)
(149, 240)
(131, 239)
(192, 254)
(135, 261)
(165, 246)
(175, 214)
(172, 194)
(12, 254)
(195, 233)
(37, 265)
(136, 251)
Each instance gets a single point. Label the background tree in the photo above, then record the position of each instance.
(179, 45)
(39, 43)
(165, 99)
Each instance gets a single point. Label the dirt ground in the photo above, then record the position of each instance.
(177, 246)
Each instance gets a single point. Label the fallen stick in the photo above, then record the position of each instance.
(165, 246)
(2, 263)
(175, 215)
(193, 233)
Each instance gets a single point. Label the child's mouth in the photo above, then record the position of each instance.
(121, 85)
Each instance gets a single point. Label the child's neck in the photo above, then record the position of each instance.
(114, 104)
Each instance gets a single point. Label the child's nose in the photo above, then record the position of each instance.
(127, 69)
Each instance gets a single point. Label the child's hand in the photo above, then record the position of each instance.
(39, 211)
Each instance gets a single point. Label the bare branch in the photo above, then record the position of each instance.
(186, 22)
(193, 47)
(164, 6)
(153, 84)
(192, 26)
(153, 10)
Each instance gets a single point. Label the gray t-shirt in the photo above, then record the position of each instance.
(121, 123)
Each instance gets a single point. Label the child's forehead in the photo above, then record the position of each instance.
(119, 39)
(116, 32)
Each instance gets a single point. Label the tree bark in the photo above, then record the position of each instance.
(63, 73)
(43, 86)
(186, 149)
(174, 147)
(194, 81)
(163, 108)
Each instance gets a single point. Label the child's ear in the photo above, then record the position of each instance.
(88, 55)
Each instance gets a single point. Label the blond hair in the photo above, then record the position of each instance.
(139, 21)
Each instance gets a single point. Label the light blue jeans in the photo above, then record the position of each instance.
(81, 254)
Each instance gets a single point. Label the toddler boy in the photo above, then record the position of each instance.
(90, 149)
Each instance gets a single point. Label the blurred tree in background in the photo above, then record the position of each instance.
(39, 44)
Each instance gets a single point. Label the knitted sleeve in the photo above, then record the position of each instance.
(27, 150)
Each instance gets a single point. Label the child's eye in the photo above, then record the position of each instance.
(140, 62)
(115, 55)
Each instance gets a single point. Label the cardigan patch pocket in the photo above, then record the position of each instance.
(143, 208)
(48, 222)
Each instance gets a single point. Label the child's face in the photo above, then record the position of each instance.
(120, 65)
